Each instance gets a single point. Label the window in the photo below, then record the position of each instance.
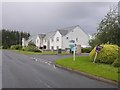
(52, 47)
(77, 39)
(44, 46)
(52, 40)
(57, 47)
(66, 37)
(57, 39)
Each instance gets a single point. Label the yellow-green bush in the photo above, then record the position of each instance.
(116, 63)
(16, 47)
(31, 48)
(108, 54)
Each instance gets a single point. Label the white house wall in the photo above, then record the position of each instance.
(63, 42)
(76, 33)
(45, 43)
(23, 42)
(37, 41)
(56, 43)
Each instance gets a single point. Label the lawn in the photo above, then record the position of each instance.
(83, 64)
(45, 52)
(28, 52)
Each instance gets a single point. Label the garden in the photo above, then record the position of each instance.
(106, 65)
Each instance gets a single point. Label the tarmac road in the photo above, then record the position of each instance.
(22, 71)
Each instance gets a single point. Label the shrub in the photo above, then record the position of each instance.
(86, 50)
(16, 47)
(31, 44)
(31, 48)
(116, 63)
(108, 54)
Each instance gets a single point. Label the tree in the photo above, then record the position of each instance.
(11, 37)
(95, 41)
(108, 29)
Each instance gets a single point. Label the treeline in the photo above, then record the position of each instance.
(11, 37)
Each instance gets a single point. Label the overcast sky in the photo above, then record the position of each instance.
(43, 17)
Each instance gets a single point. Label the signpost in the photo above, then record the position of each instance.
(98, 49)
(73, 48)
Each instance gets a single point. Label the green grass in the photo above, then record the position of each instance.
(44, 52)
(83, 64)
(28, 52)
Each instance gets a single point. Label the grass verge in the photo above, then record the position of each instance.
(83, 64)
(42, 53)
(28, 52)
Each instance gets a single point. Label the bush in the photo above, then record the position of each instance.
(116, 63)
(16, 47)
(31, 44)
(108, 54)
(31, 48)
(86, 50)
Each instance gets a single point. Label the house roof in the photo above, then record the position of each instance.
(70, 28)
(32, 38)
(64, 31)
(41, 35)
(50, 34)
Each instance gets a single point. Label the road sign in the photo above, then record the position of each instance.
(72, 46)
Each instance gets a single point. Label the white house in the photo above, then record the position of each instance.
(60, 38)
(26, 42)
(55, 41)
(39, 40)
(47, 41)
(74, 33)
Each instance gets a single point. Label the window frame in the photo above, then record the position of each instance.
(52, 40)
(57, 39)
(77, 39)
(52, 47)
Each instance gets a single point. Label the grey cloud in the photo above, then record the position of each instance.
(44, 17)
(0, 15)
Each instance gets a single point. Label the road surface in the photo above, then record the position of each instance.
(22, 71)
(0, 69)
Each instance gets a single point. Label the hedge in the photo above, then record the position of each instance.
(86, 50)
(107, 55)
(31, 48)
(16, 47)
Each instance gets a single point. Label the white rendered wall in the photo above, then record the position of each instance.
(83, 38)
(56, 43)
(37, 42)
